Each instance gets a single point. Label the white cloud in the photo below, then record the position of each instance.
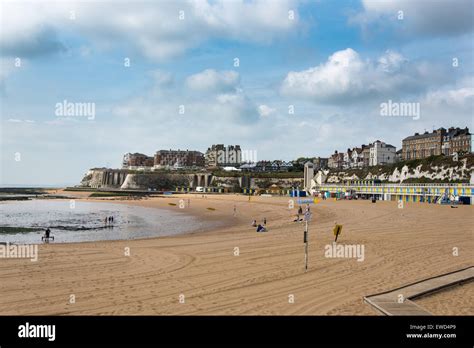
(16, 120)
(259, 20)
(458, 98)
(346, 77)
(265, 110)
(391, 61)
(211, 80)
(155, 29)
(28, 29)
(427, 18)
(446, 106)
(224, 103)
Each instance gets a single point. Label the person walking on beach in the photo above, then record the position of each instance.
(300, 212)
(235, 210)
(106, 219)
(46, 236)
(264, 221)
(254, 223)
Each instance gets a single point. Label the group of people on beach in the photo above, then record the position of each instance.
(109, 221)
(260, 227)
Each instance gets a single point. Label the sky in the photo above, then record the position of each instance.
(282, 78)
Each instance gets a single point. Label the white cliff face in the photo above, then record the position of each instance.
(456, 173)
(395, 177)
(320, 177)
(130, 183)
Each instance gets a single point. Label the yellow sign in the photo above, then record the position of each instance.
(337, 230)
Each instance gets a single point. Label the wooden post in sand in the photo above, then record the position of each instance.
(307, 217)
(306, 247)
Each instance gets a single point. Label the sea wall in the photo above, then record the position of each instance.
(104, 178)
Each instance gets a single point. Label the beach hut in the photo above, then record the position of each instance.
(275, 189)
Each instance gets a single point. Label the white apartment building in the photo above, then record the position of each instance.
(357, 158)
(381, 153)
(347, 159)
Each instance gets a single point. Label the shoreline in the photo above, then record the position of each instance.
(217, 220)
(401, 246)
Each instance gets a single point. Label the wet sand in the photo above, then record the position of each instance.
(401, 247)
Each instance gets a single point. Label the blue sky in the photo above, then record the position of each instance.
(335, 62)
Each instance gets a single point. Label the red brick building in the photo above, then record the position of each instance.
(178, 158)
(135, 160)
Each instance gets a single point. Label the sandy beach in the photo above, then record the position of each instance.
(454, 300)
(200, 274)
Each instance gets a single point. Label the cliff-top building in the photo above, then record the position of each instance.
(438, 142)
(357, 157)
(336, 160)
(456, 140)
(223, 156)
(137, 161)
(423, 145)
(178, 159)
(320, 163)
(381, 153)
(377, 153)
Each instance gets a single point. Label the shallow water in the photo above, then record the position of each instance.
(84, 221)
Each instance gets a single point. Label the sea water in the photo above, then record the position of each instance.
(85, 221)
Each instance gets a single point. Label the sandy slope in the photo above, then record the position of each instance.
(401, 246)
